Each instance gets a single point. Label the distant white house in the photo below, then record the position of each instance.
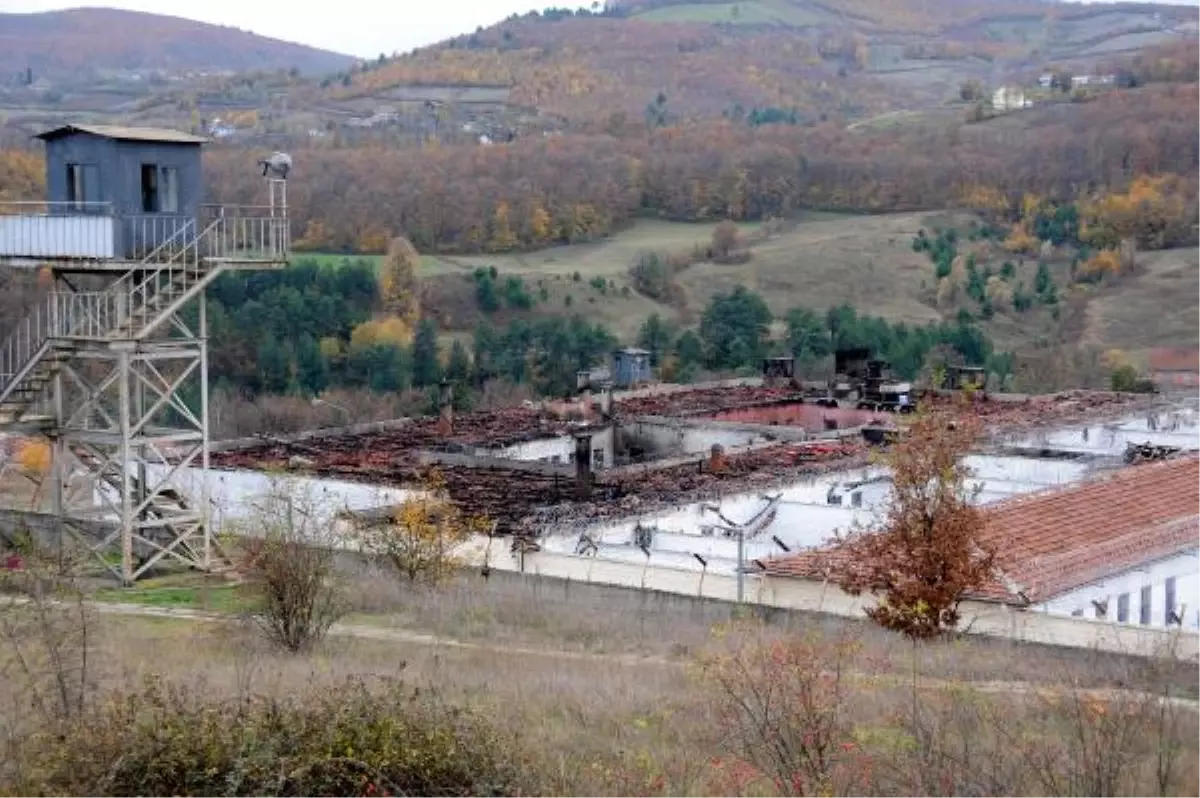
(1092, 80)
(1046, 80)
(1010, 98)
(221, 130)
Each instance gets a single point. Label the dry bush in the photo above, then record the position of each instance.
(782, 707)
(47, 642)
(502, 393)
(952, 285)
(358, 738)
(288, 560)
(999, 293)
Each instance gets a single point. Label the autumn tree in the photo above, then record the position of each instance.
(398, 281)
(928, 552)
(725, 239)
(502, 238)
(420, 538)
(387, 331)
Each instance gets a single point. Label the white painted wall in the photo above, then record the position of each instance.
(562, 447)
(804, 518)
(1185, 568)
(57, 236)
(667, 440)
(236, 495)
(977, 617)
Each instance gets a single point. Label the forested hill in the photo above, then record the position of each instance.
(70, 43)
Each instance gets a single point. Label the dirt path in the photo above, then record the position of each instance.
(398, 635)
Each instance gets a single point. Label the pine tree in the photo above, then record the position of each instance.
(458, 368)
(426, 368)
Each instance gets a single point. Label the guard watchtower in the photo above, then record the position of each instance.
(107, 366)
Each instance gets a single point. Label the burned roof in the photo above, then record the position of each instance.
(119, 133)
(1051, 542)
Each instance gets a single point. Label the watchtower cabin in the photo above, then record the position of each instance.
(112, 364)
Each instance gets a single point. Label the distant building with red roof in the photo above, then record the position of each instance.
(1175, 368)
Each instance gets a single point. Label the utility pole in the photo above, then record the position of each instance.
(741, 566)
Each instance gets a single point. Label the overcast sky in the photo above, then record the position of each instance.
(358, 27)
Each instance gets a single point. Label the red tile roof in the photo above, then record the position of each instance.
(1175, 360)
(1049, 542)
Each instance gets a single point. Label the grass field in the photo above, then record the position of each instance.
(755, 12)
(818, 261)
(602, 683)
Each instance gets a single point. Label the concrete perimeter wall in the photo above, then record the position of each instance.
(992, 620)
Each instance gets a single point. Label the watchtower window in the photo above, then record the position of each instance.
(83, 186)
(170, 190)
(149, 188)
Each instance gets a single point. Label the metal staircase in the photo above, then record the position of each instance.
(132, 308)
(102, 375)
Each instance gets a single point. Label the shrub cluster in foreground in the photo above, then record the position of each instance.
(358, 738)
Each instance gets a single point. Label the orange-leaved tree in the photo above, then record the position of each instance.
(928, 552)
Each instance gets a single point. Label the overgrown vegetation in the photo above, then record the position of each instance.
(797, 706)
(363, 737)
(287, 559)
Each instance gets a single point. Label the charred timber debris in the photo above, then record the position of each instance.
(522, 502)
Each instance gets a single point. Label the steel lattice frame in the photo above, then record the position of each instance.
(110, 369)
(123, 432)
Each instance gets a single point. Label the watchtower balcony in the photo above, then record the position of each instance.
(93, 236)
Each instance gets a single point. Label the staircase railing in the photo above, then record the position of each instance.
(176, 259)
(62, 314)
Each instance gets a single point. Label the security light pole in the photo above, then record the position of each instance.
(741, 566)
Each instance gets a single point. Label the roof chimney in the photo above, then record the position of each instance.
(445, 423)
(583, 465)
(717, 461)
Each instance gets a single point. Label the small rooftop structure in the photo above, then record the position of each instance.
(778, 371)
(1051, 543)
(631, 367)
(959, 377)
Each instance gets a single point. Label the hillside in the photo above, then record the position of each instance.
(814, 59)
(89, 41)
(820, 261)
